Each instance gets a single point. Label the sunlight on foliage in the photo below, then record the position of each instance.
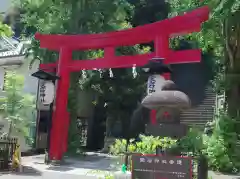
(18, 108)
(5, 30)
(147, 145)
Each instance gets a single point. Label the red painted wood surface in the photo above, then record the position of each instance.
(158, 32)
(180, 25)
(175, 57)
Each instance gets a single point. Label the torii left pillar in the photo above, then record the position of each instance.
(65, 44)
(60, 106)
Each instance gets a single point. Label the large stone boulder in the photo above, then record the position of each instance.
(172, 99)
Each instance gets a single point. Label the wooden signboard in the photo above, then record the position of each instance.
(161, 167)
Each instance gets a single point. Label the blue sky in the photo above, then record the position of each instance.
(4, 5)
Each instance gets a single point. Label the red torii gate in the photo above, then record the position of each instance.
(159, 32)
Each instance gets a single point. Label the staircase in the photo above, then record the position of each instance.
(198, 116)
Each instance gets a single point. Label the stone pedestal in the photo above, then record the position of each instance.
(169, 102)
(167, 130)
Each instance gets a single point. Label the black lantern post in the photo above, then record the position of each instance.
(156, 66)
(43, 75)
(153, 67)
(46, 76)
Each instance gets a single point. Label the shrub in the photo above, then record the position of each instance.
(192, 142)
(146, 145)
(217, 153)
(17, 107)
(222, 147)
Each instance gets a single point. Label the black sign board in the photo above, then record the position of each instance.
(161, 167)
(43, 75)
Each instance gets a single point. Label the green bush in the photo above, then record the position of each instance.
(192, 142)
(146, 145)
(18, 108)
(222, 147)
(217, 153)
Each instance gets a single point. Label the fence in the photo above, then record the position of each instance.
(7, 148)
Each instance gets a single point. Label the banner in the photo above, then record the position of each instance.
(46, 94)
(155, 83)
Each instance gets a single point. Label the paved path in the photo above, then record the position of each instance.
(214, 175)
(44, 175)
(92, 166)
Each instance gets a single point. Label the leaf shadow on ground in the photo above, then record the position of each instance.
(92, 162)
(26, 171)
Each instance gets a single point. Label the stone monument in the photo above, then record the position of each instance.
(164, 97)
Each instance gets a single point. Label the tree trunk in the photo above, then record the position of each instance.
(231, 35)
(74, 139)
(10, 130)
(125, 126)
(109, 139)
(233, 100)
(109, 126)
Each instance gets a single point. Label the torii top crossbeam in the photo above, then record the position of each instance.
(187, 23)
(157, 32)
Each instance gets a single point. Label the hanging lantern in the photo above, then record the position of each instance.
(155, 83)
(46, 92)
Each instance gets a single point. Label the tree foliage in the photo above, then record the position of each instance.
(16, 106)
(5, 30)
(85, 17)
(148, 11)
(215, 33)
(220, 35)
(118, 90)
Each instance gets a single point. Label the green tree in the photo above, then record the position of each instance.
(16, 106)
(5, 30)
(12, 19)
(82, 17)
(148, 11)
(119, 90)
(220, 35)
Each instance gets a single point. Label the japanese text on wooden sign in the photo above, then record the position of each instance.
(161, 167)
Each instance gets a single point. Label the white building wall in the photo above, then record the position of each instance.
(2, 72)
(30, 82)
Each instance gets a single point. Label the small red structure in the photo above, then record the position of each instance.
(159, 32)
